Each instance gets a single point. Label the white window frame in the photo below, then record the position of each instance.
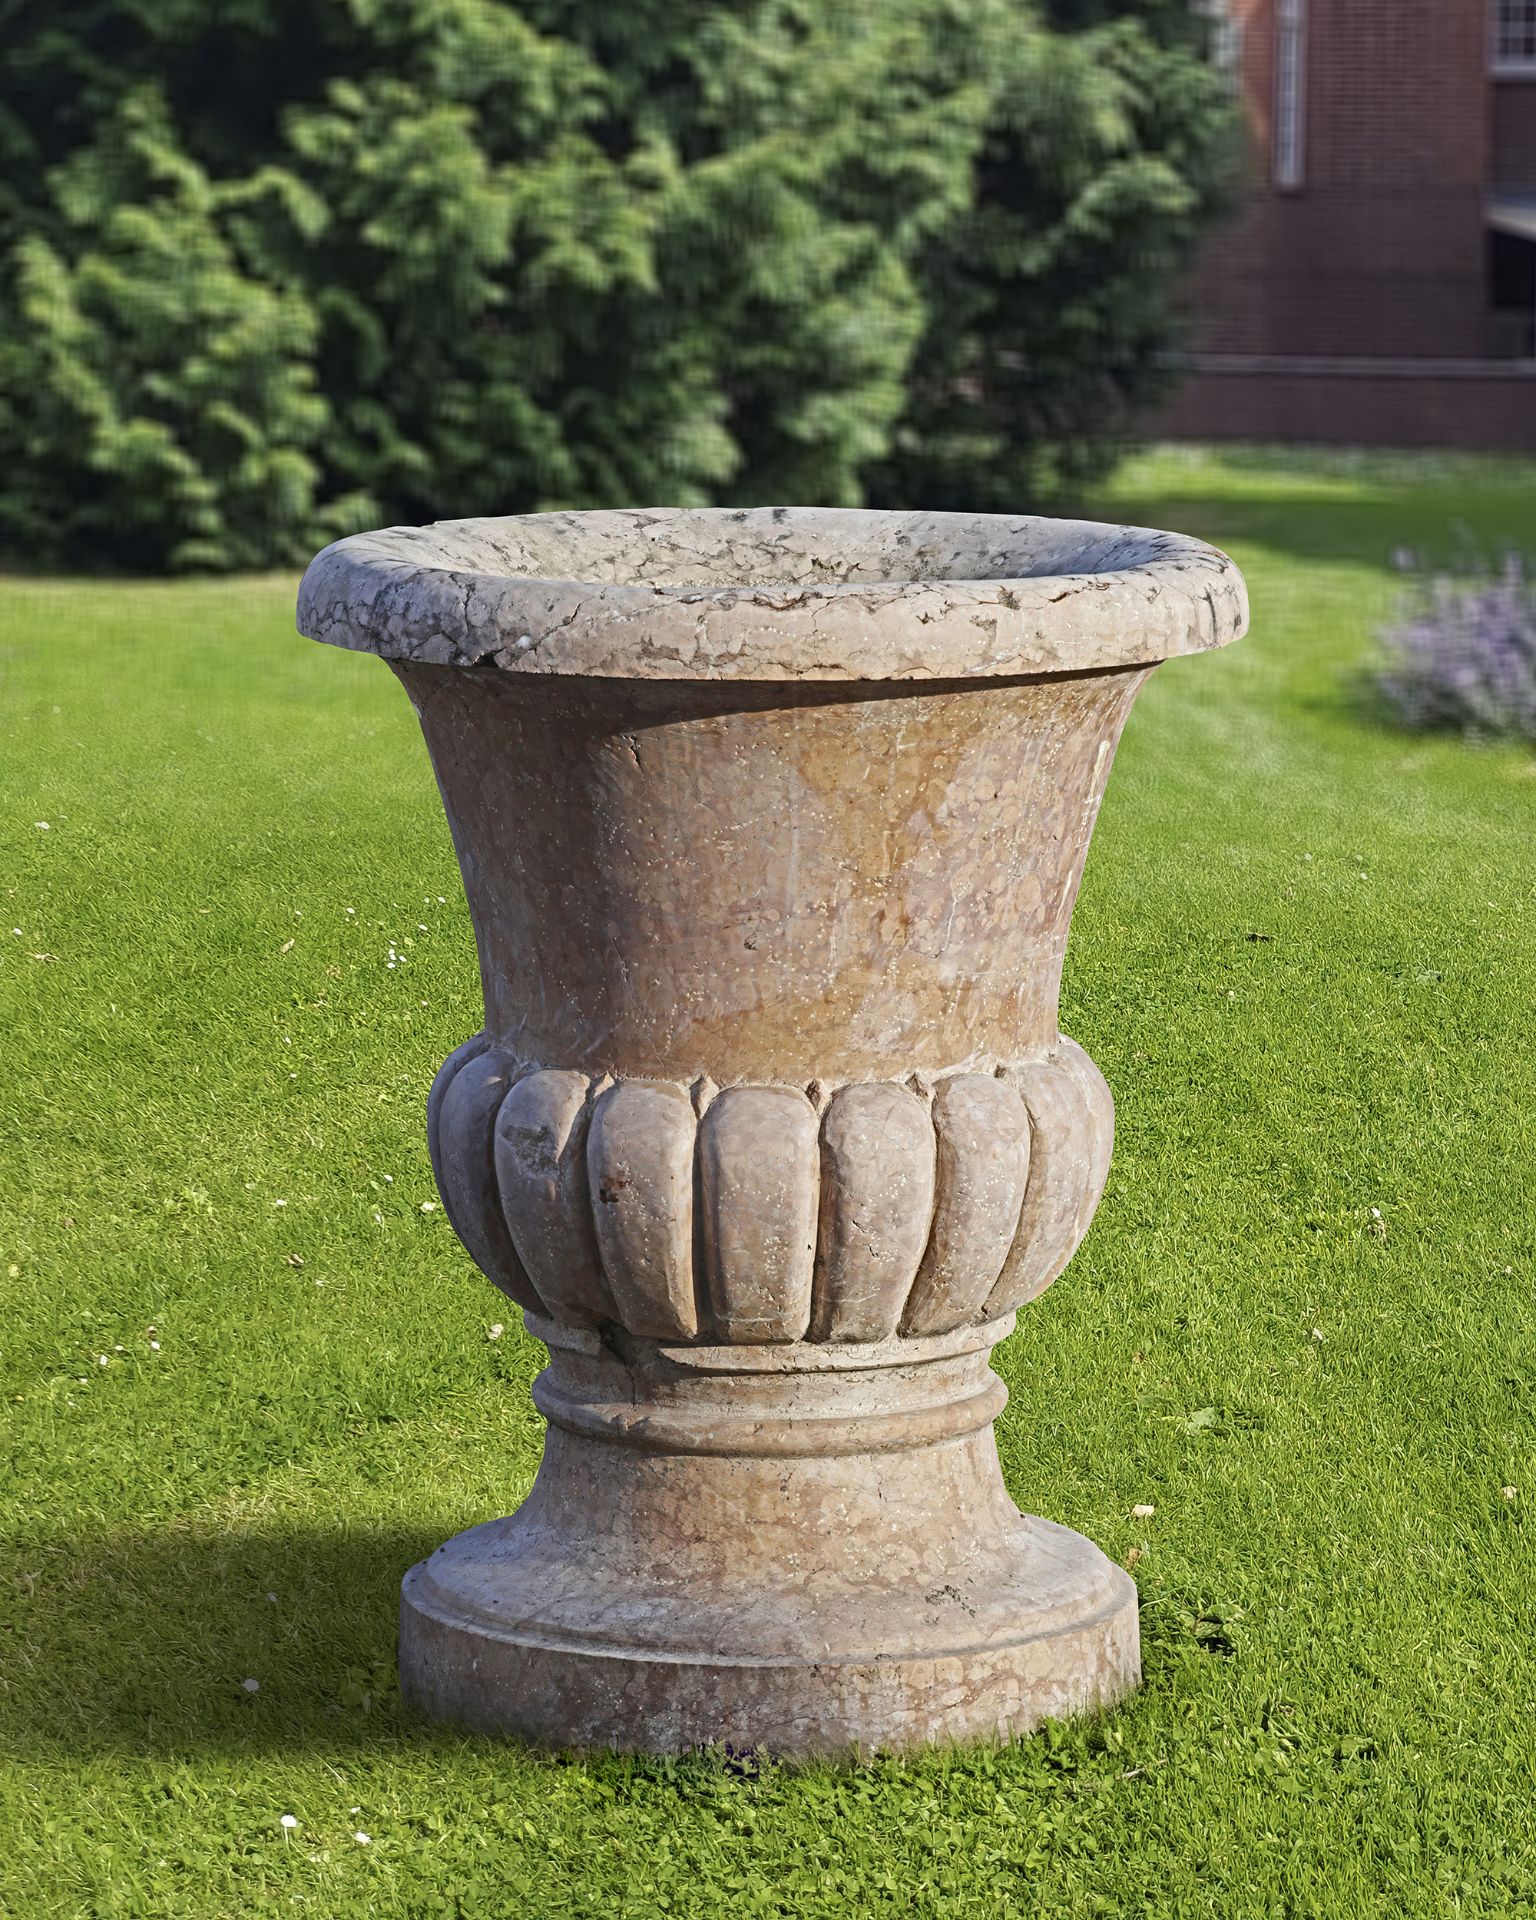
(1289, 159)
(1226, 38)
(1511, 17)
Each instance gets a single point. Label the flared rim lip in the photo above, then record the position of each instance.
(398, 593)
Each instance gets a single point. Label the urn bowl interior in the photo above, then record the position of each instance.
(786, 547)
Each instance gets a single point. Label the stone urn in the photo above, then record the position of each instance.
(771, 824)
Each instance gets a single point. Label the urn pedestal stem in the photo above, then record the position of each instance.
(771, 823)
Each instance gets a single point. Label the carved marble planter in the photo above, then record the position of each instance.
(771, 825)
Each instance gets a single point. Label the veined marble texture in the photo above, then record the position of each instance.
(771, 823)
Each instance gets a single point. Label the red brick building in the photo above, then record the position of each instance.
(1378, 285)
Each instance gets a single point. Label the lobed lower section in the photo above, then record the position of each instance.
(766, 1214)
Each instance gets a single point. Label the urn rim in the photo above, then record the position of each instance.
(780, 594)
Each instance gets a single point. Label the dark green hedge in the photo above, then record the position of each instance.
(271, 270)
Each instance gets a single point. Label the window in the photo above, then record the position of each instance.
(1224, 38)
(1290, 157)
(1512, 296)
(1514, 36)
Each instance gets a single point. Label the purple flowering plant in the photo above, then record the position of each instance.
(1461, 653)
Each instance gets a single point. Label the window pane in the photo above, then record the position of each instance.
(1514, 32)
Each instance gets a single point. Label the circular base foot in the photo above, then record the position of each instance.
(1054, 1635)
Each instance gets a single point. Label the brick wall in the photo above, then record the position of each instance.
(1492, 410)
(1381, 249)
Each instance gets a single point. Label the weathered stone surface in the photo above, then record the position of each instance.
(771, 825)
(758, 1173)
(811, 1559)
(876, 1210)
(1073, 1132)
(541, 1172)
(773, 593)
(464, 1101)
(761, 1221)
(640, 1166)
(983, 1166)
(771, 885)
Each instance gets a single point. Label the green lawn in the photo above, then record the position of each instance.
(1304, 1327)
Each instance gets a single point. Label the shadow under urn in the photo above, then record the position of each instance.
(771, 823)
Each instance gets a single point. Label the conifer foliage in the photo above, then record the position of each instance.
(273, 270)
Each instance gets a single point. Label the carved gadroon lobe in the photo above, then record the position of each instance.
(461, 1112)
(759, 1215)
(876, 1209)
(758, 1182)
(541, 1171)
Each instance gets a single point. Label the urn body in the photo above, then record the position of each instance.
(771, 826)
